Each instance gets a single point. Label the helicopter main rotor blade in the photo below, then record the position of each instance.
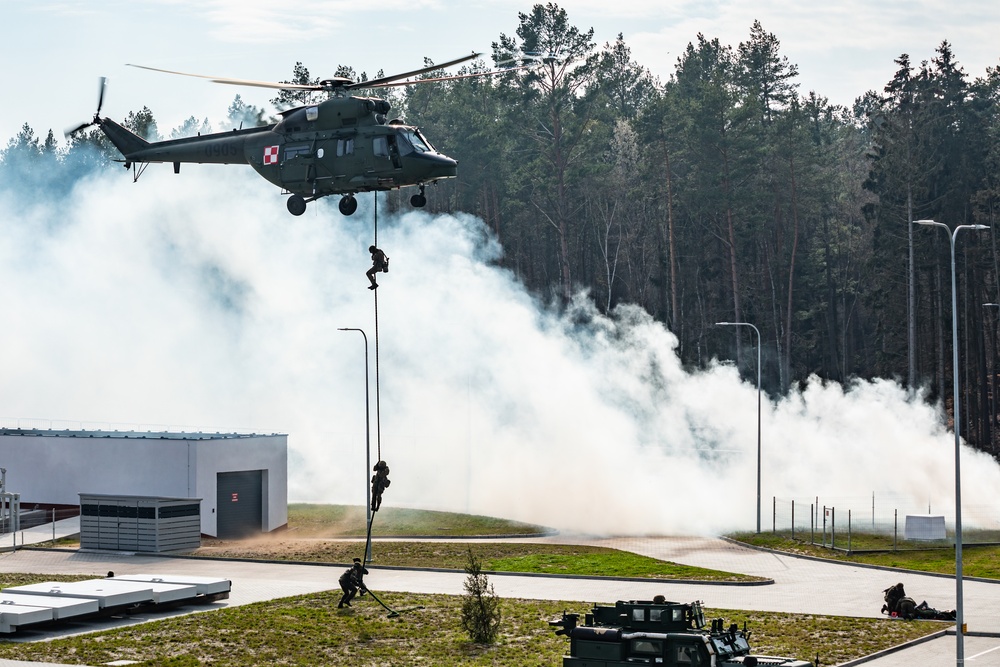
(386, 81)
(236, 82)
(455, 77)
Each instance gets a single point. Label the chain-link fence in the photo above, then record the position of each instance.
(880, 524)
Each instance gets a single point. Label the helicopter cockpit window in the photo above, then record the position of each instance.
(345, 147)
(312, 113)
(380, 147)
(419, 143)
(410, 141)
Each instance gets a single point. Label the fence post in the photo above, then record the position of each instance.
(824, 526)
(833, 527)
(848, 531)
(793, 518)
(53, 524)
(774, 514)
(895, 527)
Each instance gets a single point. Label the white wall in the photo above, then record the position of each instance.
(55, 469)
(239, 454)
(49, 469)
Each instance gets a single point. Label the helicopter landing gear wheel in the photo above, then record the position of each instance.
(296, 205)
(418, 200)
(348, 205)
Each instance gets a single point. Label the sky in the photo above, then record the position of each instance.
(196, 302)
(54, 52)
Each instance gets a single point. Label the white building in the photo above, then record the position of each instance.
(242, 480)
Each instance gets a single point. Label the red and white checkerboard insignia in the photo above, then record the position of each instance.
(270, 155)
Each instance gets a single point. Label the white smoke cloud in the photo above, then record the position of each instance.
(196, 301)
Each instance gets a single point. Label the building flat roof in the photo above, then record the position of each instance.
(142, 435)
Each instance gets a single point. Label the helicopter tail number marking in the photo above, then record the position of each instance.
(270, 155)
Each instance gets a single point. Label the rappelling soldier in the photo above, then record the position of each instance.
(350, 581)
(380, 264)
(380, 480)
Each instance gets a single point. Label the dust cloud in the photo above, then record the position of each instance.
(196, 302)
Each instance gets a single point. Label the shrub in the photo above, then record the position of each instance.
(480, 605)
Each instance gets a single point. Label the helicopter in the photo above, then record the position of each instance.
(341, 146)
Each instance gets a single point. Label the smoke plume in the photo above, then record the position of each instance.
(196, 302)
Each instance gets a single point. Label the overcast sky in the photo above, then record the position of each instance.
(54, 51)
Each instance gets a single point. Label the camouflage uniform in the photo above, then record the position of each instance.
(350, 581)
(380, 481)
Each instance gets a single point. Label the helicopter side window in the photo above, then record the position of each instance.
(295, 150)
(380, 147)
(345, 147)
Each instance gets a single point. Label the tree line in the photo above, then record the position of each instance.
(723, 194)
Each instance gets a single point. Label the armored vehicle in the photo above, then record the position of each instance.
(660, 632)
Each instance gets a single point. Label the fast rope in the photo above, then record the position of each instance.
(380, 480)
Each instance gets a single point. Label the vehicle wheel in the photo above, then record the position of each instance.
(418, 201)
(348, 205)
(296, 205)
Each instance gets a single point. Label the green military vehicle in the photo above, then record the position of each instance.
(659, 632)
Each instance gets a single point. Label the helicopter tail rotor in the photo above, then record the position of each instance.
(102, 87)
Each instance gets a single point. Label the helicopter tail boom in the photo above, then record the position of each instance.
(221, 148)
(124, 140)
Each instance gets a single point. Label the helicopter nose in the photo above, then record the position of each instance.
(438, 165)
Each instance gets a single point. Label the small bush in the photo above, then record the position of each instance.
(480, 605)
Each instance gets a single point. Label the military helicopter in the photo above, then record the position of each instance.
(340, 146)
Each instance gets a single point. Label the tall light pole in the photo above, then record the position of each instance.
(368, 449)
(747, 324)
(959, 621)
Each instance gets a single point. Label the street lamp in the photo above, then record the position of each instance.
(747, 324)
(368, 450)
(959, 623)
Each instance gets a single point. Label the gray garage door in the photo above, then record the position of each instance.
(240, 504)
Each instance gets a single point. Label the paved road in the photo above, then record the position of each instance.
(801, 585)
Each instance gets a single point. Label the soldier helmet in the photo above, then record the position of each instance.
(371, 248)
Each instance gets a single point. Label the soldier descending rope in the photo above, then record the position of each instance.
(380, 264)
(350, 581)
(380, 480)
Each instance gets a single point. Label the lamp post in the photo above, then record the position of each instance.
(959, 621)
(747, 324)
(368, 449)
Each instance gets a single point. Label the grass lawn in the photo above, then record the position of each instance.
(310, 630)
(312, 520)
(977, 561)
